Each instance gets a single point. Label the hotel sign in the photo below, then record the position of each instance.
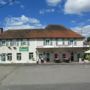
(23, 49)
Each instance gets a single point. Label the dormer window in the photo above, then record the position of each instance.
(59, 42)
(12, 42)
(3, 42)
(47, 42)
(23, 42)
(70, 42)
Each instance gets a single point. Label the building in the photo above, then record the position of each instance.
(54, 43)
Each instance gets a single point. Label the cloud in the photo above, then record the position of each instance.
(11, 2)
(84, 30)
(77, 6)
(46, 11)
(2, 2)
(53, 2)
(22, 6)
(21, 22)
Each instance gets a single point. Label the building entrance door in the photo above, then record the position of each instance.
(72, 57)
(47, 57)
(78, 56)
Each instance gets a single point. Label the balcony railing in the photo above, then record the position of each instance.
(63, 46)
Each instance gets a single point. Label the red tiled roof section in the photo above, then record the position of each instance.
(51, 31)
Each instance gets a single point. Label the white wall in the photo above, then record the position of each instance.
(79, 43)
(33, 45)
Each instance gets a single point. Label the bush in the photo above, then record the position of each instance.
(88, 57)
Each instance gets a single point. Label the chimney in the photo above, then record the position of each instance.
(1, 30)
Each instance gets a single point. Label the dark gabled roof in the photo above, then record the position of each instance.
(51, 31)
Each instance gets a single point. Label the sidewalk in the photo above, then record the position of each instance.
(51, 63)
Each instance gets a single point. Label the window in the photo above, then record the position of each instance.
(3, 42)
(75, 42)
(9, 56)
(59, 41)
(70, 42)
(63, 42)
(30, 55)
(47, 42)
(18, 56)
(17, 42)
(56, 55)
(3, 57)
(13, 43)
(28, 42)
(23, 42)
(7, 43)
(64, 55)
(0, 43)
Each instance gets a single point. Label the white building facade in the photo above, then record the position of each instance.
(32, 46)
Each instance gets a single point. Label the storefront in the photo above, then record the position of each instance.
(59, 54)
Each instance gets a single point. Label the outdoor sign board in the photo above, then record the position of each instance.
(23, 49)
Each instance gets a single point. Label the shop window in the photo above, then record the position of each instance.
(64, 55)
(56, 55)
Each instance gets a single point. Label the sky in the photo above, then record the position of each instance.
(73, 14)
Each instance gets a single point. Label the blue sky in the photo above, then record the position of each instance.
(74, 14)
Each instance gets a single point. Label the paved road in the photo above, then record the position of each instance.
(45, 77)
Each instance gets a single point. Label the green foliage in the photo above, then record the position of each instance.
(88, 39)
(88, 57)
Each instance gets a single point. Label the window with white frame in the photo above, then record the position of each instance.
(3, 57)
(59, 41)
(75, 42)
(23, 42)
(3, 42)
(13, 43)
(7, 42)
(30, 55)
(48, 42)
(63, 41)
(28, 42)
(9, 56)
(70, 42)
(0, 43)
(17, 42)
(18, 56)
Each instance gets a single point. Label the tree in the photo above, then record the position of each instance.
(88, 39)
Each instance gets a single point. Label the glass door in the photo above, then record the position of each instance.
(48, 57)
(72, 56)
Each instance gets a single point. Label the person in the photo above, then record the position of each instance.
(42, 60)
